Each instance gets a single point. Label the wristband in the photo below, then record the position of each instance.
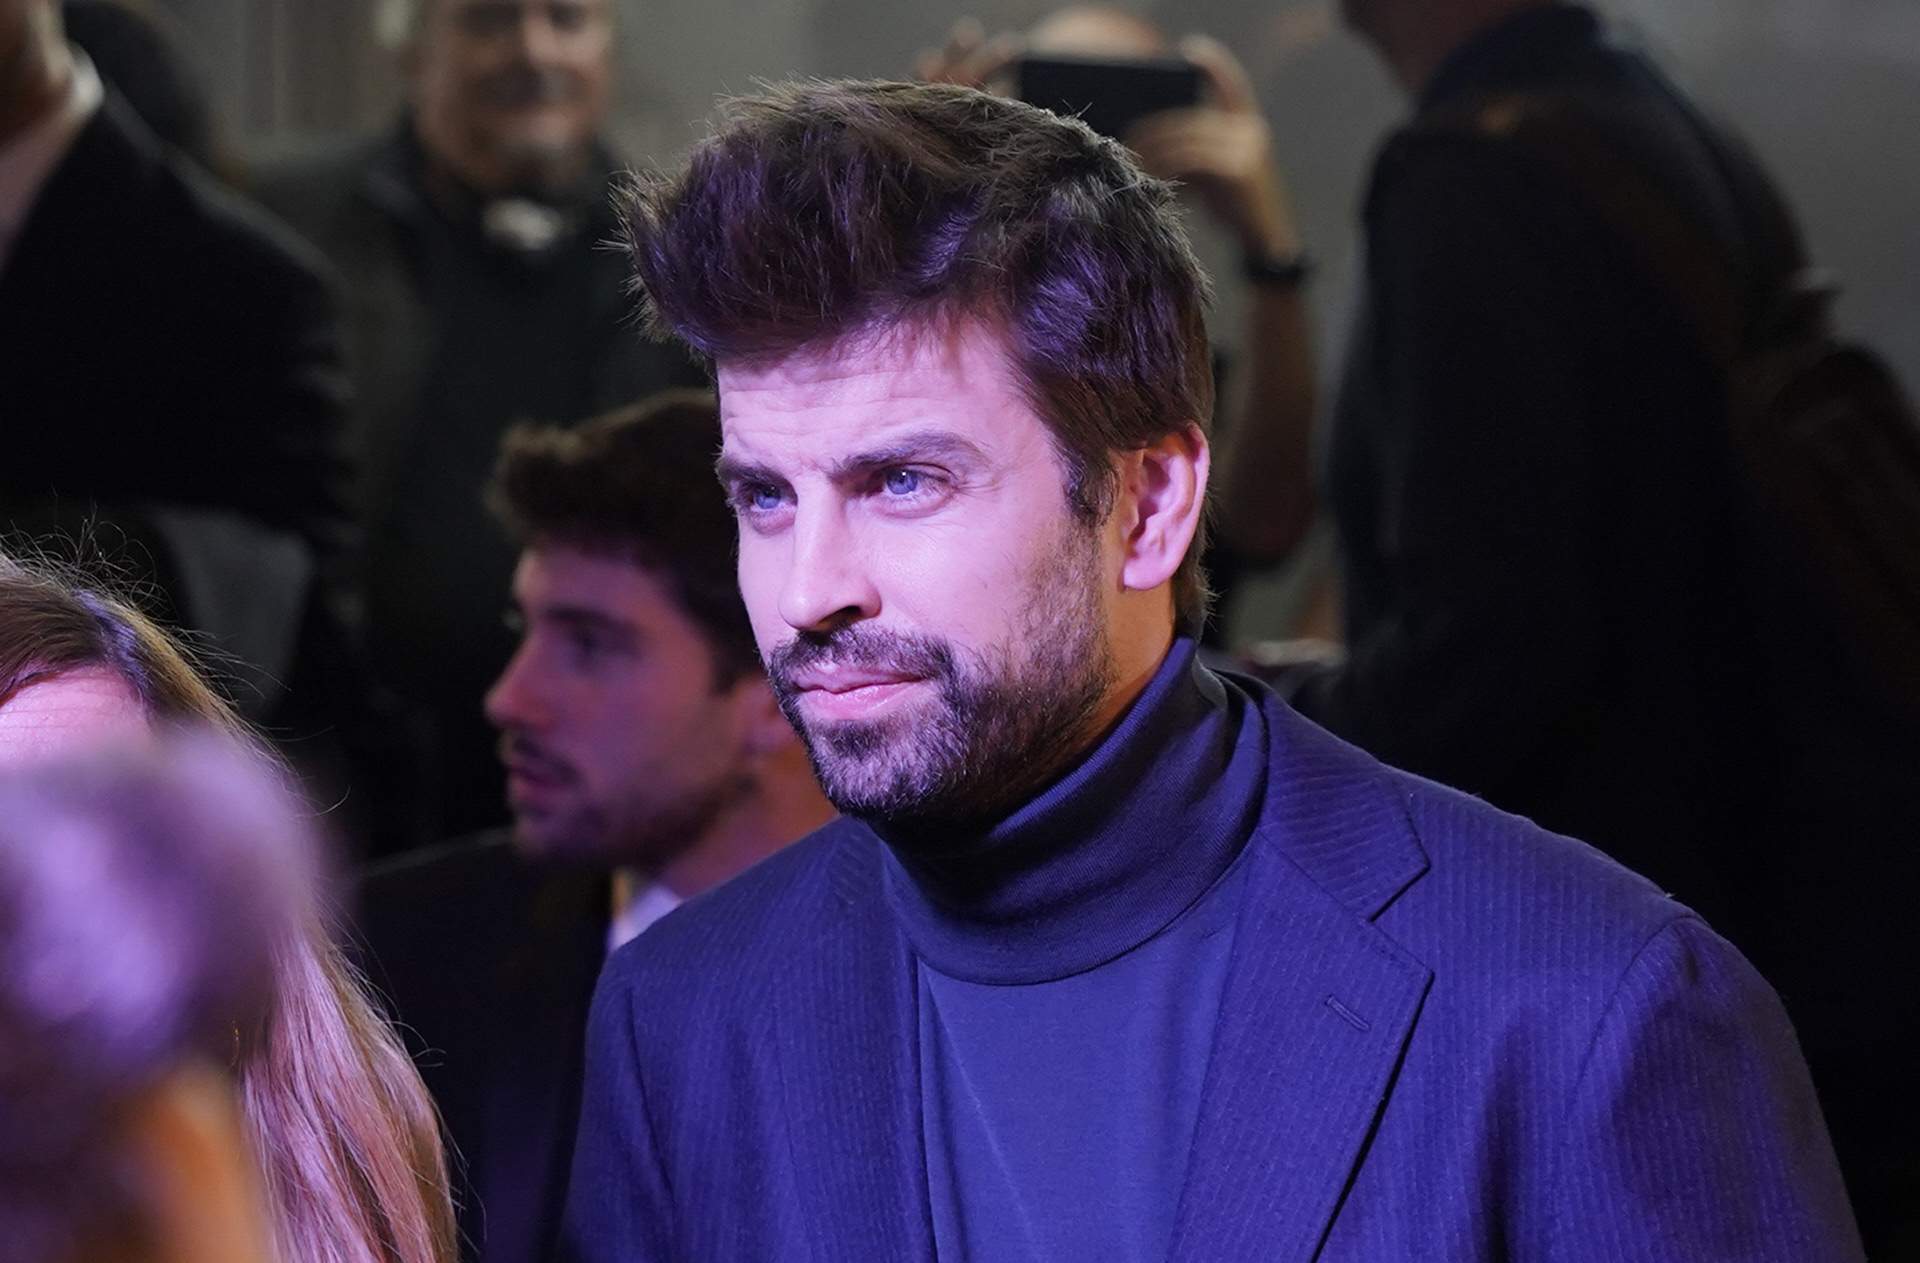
(1277, 269)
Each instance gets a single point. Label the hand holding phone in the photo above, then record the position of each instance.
(1109, 94)
(1223, 150)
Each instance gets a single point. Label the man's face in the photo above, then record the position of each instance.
(620, 743)
(933, 616)
(509, 92)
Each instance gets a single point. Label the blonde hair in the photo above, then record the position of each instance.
(345, 1134)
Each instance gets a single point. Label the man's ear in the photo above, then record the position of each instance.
(763, 725)
(1166, 489)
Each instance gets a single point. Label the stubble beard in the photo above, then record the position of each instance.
(645, 836)
(1001, 723)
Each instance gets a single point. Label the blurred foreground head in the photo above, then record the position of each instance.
(343, 1131)
(143, 894)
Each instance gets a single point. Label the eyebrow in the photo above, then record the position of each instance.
(936, 446)
(585, 618)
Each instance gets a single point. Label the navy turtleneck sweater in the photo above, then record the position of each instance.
(1071, 961)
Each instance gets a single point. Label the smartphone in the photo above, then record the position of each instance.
(1109, 94)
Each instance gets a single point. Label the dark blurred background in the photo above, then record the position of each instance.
(1820, 87)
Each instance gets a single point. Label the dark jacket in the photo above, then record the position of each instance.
(170, 357)
(488, 964)
(1444, 1034)
(1532, 487)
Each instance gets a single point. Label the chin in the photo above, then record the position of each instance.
(541, 147)
(549, 841)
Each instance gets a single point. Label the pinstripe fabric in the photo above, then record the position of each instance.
(1446, 1035)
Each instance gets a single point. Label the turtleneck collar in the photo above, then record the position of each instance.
(1110, 854)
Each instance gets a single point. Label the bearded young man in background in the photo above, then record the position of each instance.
(646, 762)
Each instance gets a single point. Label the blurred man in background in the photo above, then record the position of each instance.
(647, 761)
(1220, 150)
(469, 236)
(1545, 549)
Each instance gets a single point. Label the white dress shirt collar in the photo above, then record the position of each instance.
(649, 903)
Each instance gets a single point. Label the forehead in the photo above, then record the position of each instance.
(457, 7)
(70, 713)
(555, 576)
(822, 403)
(457, 16)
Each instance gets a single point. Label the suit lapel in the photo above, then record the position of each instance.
(1316, 1012)
(536, 1058)
(1318, 1008)
(850, 1074)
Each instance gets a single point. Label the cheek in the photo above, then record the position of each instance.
(762, 570)
(665, 735)
(967, 582)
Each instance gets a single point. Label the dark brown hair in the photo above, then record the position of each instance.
(637, 484)
(52, 623)
(823, 210)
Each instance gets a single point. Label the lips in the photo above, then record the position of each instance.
(846, 679)
(845, 693)
(526, 764)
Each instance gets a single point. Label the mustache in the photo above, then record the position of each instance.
(868, 648)
(520, 750)
(517, 87)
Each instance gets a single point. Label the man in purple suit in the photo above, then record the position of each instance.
(1111, 957)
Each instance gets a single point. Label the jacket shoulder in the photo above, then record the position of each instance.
(1435, 866)
(321, 191)
(310, 173)
(1472, 842)
(416, 912)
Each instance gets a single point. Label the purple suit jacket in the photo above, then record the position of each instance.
(1446, 1034)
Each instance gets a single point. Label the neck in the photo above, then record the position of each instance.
(784, 805)
(1416, 41)
(1107, 856)
(41, 75)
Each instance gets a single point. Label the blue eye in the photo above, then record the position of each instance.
(902, 482)
(762, 498)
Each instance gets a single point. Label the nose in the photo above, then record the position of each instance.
(537, 37)
(513, 701)
(827, 583)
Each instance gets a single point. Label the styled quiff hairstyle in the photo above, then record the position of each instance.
(826, 211)
(637, 485)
